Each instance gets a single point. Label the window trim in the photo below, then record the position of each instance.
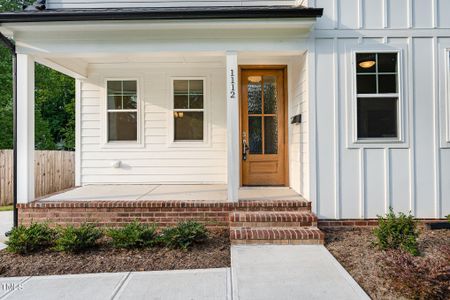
(352, 125)
(139, 130)
(206, 142)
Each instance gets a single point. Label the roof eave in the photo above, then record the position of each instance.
(161, 14)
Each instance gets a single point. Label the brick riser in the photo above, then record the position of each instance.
(163, 213)
(275, 227)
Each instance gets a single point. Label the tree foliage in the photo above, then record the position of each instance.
(54, 96)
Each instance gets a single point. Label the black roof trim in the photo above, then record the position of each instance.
(162, 13)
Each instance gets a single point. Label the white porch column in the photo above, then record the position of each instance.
(233, 126)
(25, 128)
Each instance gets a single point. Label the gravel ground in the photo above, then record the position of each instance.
(354, 249)
(214, 253)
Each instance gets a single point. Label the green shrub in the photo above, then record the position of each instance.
(184, 235)
(77, 239)
(397, 232)
(133, 235)
(24, 240)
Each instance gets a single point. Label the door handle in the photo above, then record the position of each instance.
(245, 149)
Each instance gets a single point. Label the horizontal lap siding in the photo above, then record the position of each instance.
(158, 160)
(369, 180)
(159, 3)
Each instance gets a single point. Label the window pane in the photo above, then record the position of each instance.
(181, 101)
(129, 102)
(255, 135)
(270, 95)
(377, 117)
(130, 87)
(270, 135)
(196, 86)
(188, 126)
(114, 102)
(387, 84)
(122, 126)
(365, 62)
(366, 84)
(387, 62)
(180, 86)
(114, 87)
(196, 101)
(254, 95)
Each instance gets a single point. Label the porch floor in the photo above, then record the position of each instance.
(170, 192)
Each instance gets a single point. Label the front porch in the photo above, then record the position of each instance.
(207, 193)
(262, 215)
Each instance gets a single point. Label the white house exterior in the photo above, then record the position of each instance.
(360, 113)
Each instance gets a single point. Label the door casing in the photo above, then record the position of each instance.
(284, 68)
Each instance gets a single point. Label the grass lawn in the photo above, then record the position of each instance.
(6, 208)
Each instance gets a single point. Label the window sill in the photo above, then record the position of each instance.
(378, 143)
(122, 145)
(189, 144)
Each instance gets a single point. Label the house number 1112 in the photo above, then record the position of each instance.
(233, 85)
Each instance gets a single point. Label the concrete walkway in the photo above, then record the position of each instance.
(257, 272)
(290, 272)
(173, 285)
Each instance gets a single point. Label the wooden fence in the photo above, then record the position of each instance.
(54, 171)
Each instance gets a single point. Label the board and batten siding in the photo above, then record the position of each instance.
(54, 4)
(157, 160)
(364, 181)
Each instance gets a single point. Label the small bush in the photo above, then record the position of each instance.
(184, 235)
(397, 232)
(418, 277)
(133, 235)
(77, 239)
(25, 240)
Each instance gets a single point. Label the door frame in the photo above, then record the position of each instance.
(284, 68)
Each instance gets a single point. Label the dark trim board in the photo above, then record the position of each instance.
(162, 13)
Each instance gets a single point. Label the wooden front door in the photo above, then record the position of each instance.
(263, 127)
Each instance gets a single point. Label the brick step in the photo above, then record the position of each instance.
(276, 235)
(273, 205)
(272, 219)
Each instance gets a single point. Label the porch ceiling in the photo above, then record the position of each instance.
(169, 192)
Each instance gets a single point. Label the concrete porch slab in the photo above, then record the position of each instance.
(205, 192)
(290, 272)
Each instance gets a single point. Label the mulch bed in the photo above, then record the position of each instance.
(354, 249)
(214, 253)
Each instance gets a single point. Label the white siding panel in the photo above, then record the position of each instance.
(157, 155)
(373, 13)
(424, 135)
(445, 183)
(374, 183)
(328, 20)
(399, 180)
(325, 128)
(350, 187)
(349, 15)
(443, 13)
(423, 13)
(397, 11)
